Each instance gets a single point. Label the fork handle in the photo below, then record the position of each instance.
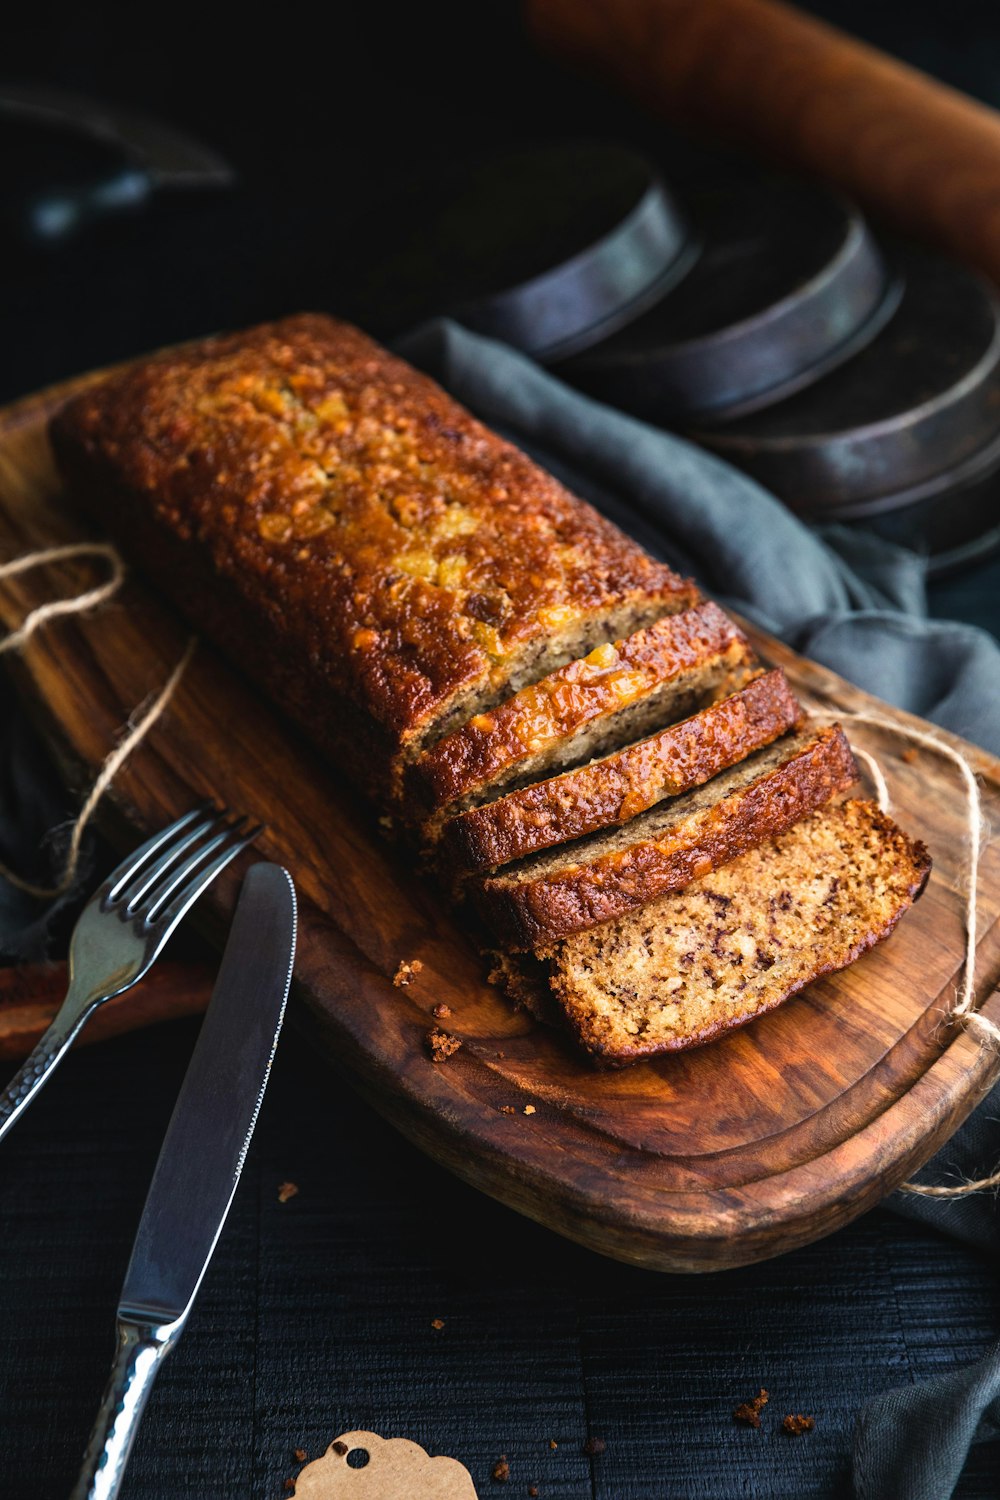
(140, 1348)
(40, 1064)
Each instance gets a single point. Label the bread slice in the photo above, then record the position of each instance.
(735, 943)
(551, 895)
(594, 704)
(619, 786)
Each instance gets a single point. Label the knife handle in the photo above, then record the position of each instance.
(140, 1350)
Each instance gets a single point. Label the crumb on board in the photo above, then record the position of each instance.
(437, 1323)
(594, 1445)
(795, 1426)
(407, 972)
(910, 755)
(441, 1044)
(340, 1448)
(529, 1109)
(440, 1012)
(501, 1470)
(300, 1455)
(287, 1190)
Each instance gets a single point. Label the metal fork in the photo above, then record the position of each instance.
(123, 928)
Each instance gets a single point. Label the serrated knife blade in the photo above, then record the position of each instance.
(199, 1165)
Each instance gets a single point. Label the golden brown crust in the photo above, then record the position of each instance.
(542, 716)
(351, 532)
(621, 785)
(906, 866)
(531, 912)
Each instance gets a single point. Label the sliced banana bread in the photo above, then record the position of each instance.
(596, 703)
(736, 942)
(551, 895)
(619, 786)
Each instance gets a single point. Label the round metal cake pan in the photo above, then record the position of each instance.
(920, 399)
(789, 284)
(603, 287)
(952, 518)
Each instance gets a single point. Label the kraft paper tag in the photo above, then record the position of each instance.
(396, 1470)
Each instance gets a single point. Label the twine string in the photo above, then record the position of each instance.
(963, 1009)
(139, 723)
(78, 604)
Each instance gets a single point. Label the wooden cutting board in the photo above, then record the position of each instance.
(731, 1153)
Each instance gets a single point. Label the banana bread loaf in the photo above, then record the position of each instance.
(617, 787)
(735, 943)
(382, 563)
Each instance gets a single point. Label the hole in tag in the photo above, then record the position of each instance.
(358, 1458)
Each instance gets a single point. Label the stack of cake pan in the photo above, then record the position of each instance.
(857, 380)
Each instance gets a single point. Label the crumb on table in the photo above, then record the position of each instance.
(533, 1491)
(437, 1323)
(300, 1455)
(501, 1470)
(287, 1190)
(750, 1411)
(441, 1044)
(440, 1011)
(553, 1444)
(795, 1426)
(529, 1109)
(407, 972)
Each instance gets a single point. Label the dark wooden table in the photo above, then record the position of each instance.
(317, 1313)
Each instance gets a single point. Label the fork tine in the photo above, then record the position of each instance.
(152, 875)
(185, 894)
(130, 866)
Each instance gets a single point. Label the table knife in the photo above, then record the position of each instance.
(199, 1164)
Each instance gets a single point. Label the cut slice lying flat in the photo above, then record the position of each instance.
(613, 789)
(737, 942)
(551, 895)
(593, 704)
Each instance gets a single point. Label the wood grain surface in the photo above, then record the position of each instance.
(761, 1142)
(768, 78)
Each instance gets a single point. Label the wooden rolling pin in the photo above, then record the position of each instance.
(31, 994)
(762, 75)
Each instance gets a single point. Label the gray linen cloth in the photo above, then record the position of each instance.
(857, 605)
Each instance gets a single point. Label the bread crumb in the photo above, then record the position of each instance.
(289, 1484)
(533, 1491)
(386, 822)
(437, 1323)
(796, 1426)
(406, 973)
(340, 1448)
(287, 1190)
(594, 1445)
(300, 1455)
(750, 1411)
(529, 1109)
(501, 1470)
(553, 1444)
(440, 1011)
(441, 1044)
(910, 755)
(507, 1109)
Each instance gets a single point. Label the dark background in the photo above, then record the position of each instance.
(316, 1315)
